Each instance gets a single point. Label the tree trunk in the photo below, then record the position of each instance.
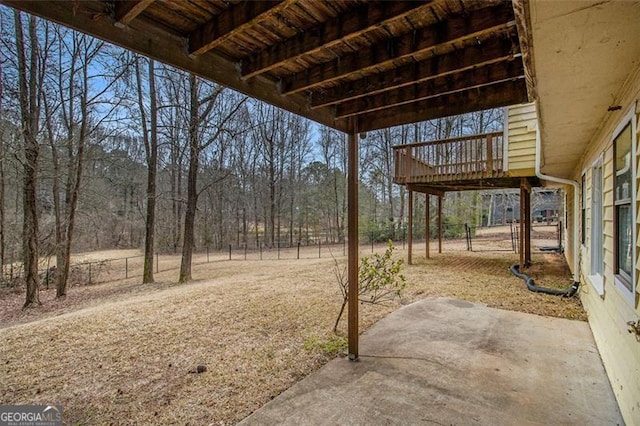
(189, 217)
(192, 176)
(150, 137)
(30, 118)
(75, 174)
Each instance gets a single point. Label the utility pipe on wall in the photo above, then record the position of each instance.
(576, 199)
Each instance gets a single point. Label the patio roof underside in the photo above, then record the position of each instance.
(349, 64)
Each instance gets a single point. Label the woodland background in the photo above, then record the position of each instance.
(102, 148)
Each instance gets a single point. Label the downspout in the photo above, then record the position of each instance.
(576, 201)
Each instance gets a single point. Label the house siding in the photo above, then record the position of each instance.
(609, 312)
(521, 134)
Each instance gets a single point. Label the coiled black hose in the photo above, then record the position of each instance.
(531, 285)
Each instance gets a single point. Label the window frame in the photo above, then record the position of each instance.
(620, 278)
(583, 207)
(596, 240)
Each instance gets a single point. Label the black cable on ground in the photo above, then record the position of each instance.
(531, 285)
(554, 249)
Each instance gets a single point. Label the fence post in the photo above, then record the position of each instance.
(89, 273)
(208, 254)
(278, 249)
(229, 251)
(319, 248)
(298, 250)
(245, 251)
(260, 248)
(126, 267)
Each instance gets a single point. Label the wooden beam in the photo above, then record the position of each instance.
(237, 18)
(521, 12)
(410, 230)
(498, 95)
(470, 79)
(425, 190)
(127, 10)
(352, 236)
(456, 28)
(344, 27)
(495, 49)
(142, 37)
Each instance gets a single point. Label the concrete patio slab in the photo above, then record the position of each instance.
(446, 361)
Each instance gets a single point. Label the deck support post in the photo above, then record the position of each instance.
(427, 219)
(352, 268)
(527, 227)
(525, 224)
(439, 224)
(410, 229)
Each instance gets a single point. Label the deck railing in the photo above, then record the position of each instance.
(464, 158)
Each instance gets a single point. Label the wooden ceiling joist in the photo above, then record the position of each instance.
(352, 65)
(506, 93)
(453, 83)
(232, 21)
(496, 49)
(421, 42)
(367, 17)
(144, 38)
(127, 10)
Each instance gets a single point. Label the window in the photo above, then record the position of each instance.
(583, 234)
(623, 190)
(597, 246)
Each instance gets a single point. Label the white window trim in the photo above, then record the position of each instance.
(597, 282)
(583, 208)
(598, 163)
(629, 116)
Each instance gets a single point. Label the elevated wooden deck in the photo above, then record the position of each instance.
(464, 163)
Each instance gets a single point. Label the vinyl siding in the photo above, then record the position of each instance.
(521, 134)
(609, 313)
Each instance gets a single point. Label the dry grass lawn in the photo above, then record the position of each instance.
(121, 352)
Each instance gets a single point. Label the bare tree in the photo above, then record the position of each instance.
(76, 99)
(30, 115)
(150, 139)
(201, 109)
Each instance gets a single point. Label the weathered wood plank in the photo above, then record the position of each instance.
(507, 93)
(343, 28)
(456, 28)
(466, 80)
(127, 10)
(496, 49)
(232, 21)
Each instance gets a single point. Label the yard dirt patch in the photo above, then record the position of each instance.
(121, 352)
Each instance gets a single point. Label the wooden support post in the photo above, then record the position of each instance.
(352, 218)
(440, 224)
(527, 227)
(427, 220)
(523, 192)
(410, 229)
